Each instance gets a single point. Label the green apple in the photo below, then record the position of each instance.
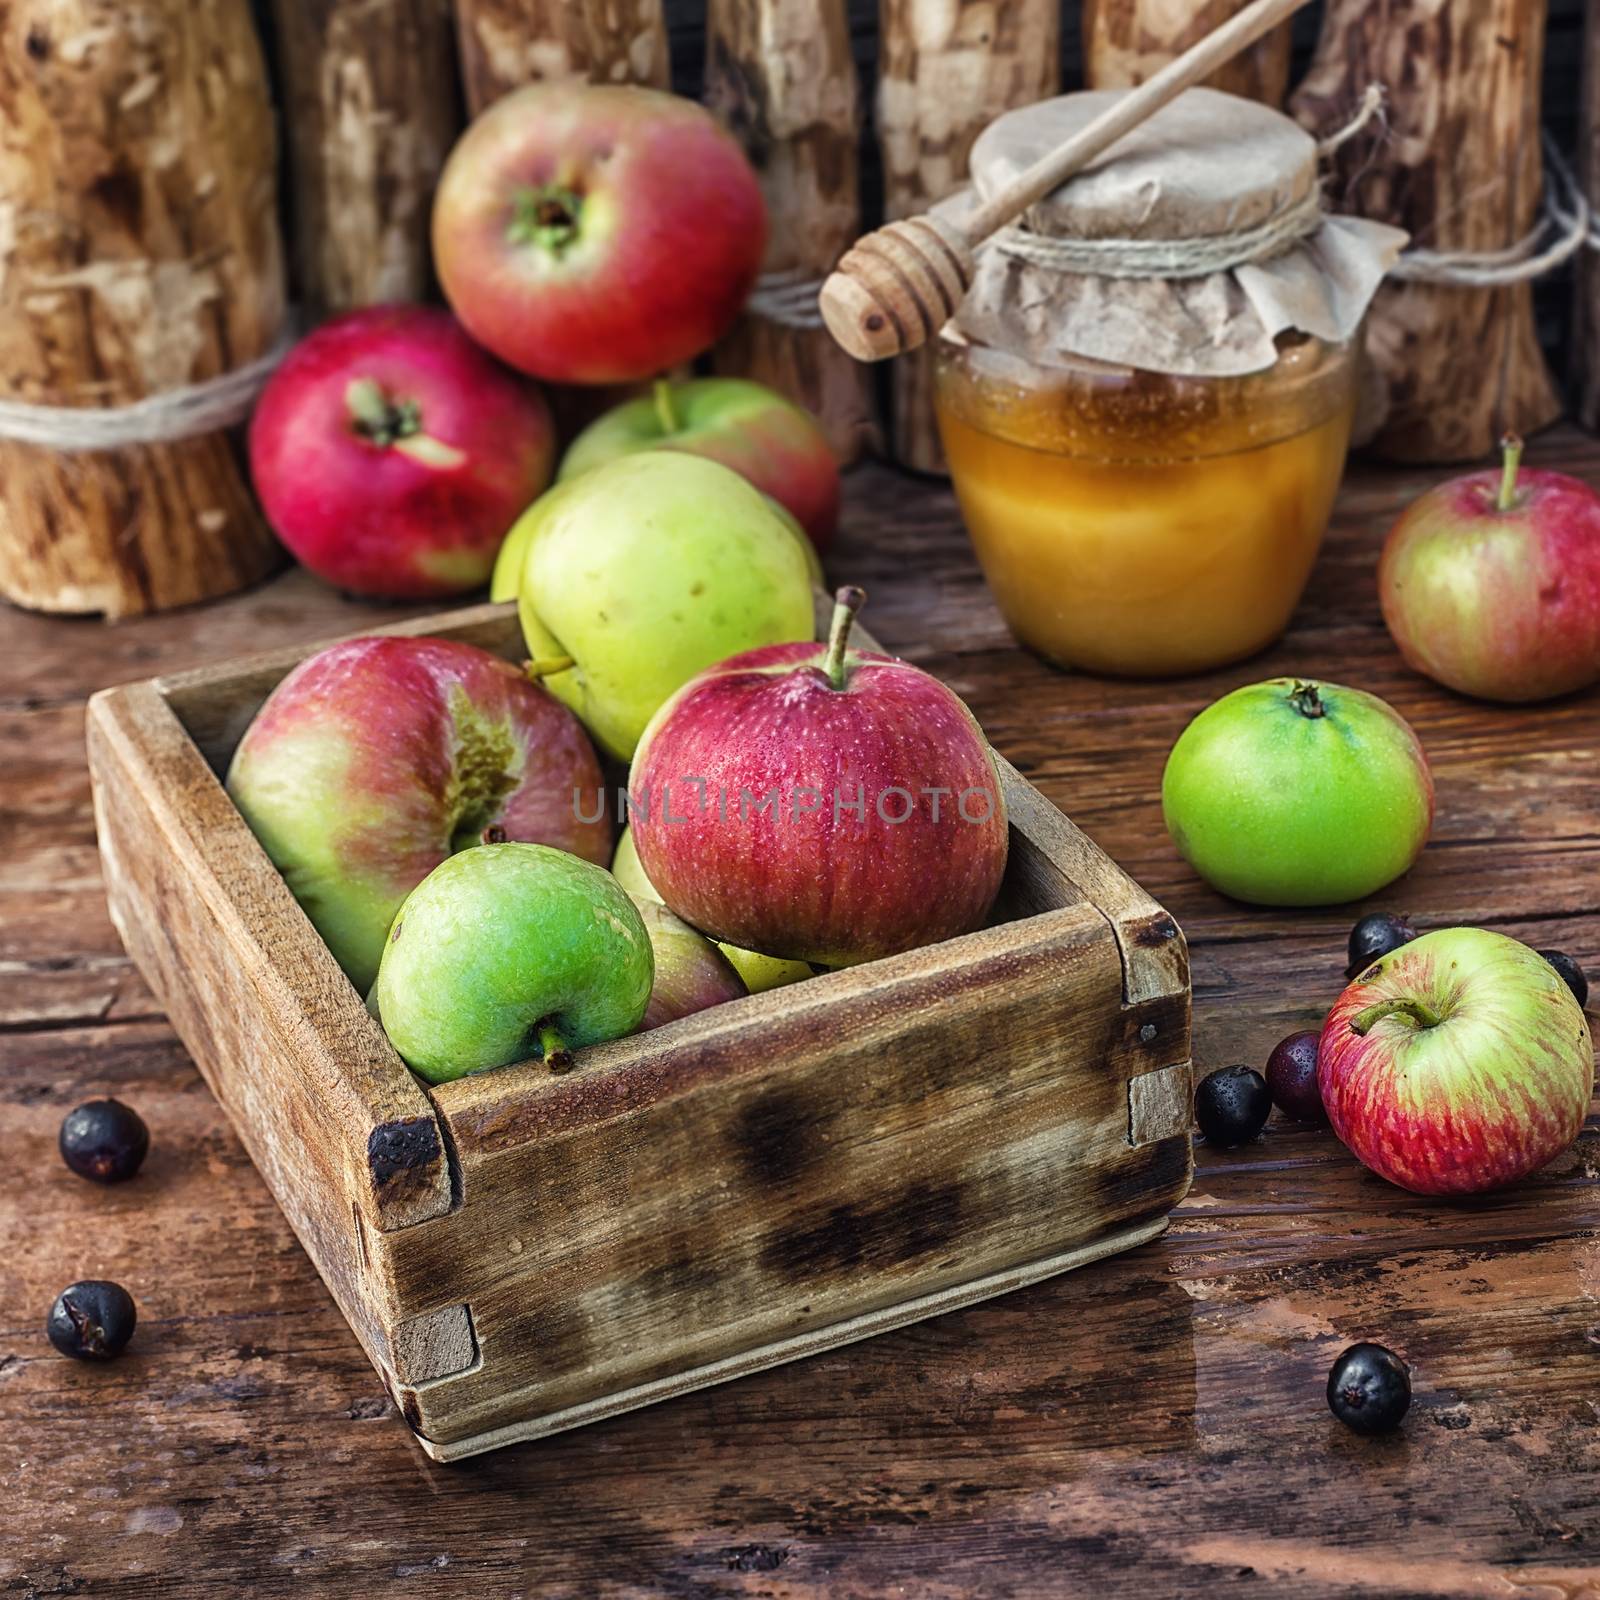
(758, 972)
(644, 572)
(509, 950)
(506, 582)
(691, 973)
(1295, 793)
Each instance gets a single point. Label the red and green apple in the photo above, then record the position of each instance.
(764, 437)
(1490, 583)
(376, 759)
(1457, 1063)
(597, 233)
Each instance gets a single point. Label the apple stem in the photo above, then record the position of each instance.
(666, 412)
(1307, 700)
(554, 1048)
(547, 666)
(376, 417)
(547, 217)
(1511, 445)
(846, 603)
(1420, 1013)
(493, 834)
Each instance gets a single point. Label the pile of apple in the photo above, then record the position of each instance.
(1460, 1061)
(444, 817)
(441, 815)
(583, 235)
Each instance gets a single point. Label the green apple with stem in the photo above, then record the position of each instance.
(507, 951)
(644, 572)
(1298, 793)
(759, 972)
(764, 436)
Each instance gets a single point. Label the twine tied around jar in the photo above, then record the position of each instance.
(1195, 257)
(186, 412)
(1167, 258)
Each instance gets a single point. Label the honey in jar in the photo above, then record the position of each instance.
(1146, 455)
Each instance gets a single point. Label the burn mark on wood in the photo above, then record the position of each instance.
(403, 1157)
(776, 1136)
(919, 1220)
(1153, 932)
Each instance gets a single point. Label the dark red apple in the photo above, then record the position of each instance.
(764, 437)
(597, 233)
(391, 454)
(1491, 583)
(1456, 1063)
(820, 803)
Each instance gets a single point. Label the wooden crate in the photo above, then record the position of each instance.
(520, 1253)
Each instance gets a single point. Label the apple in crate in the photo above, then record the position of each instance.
(377, 758)
(820, 803)
(691, 973)
(1491, 583)
(640, 573)
(509, 951)
(758, 972)
(597, 233)
(764, 437)
(391, 454)
(1456, 1063)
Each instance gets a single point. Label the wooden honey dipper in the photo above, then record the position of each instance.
(896, 287)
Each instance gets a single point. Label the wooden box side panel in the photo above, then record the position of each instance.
(341, 1133)
(686, 1204)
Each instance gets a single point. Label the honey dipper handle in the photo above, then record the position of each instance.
(898, 286)
(1048, 173)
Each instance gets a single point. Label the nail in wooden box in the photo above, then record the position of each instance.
(520, 1253)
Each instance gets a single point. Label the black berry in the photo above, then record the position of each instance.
(1231, 1105)
(1375, 935)
(104, 1140)
(1292, 1077)
(1369, 1388)
(92, 1320)
(1571, 974)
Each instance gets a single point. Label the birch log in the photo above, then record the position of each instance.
(1587, 331)
(780, 75)
(371, 112)
(1461, 168)
(139, 252)
(1127, 41)
(946, 69)
(507, 43)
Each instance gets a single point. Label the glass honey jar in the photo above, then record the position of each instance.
(1147, 460)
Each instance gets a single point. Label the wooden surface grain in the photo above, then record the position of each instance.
(1150, 1426)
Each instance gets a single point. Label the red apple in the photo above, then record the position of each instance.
(820, 803)
(391, 454)
(765, 438)
(1457, 1063)
(376, 759)
(597, 233)
(1491, 583)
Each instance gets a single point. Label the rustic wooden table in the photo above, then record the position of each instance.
(1153, 1426)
